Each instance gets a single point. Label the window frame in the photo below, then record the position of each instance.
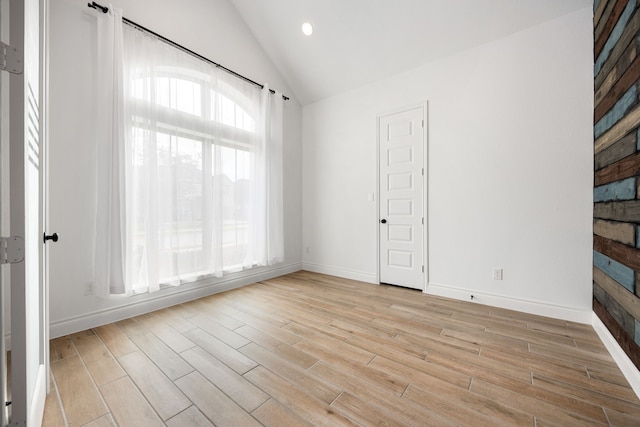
(196, 128)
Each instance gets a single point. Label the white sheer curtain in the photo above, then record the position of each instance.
(266, 223)
(199, 172)
(274, 190)
(110, 215)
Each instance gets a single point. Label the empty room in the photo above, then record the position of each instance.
(329, 212)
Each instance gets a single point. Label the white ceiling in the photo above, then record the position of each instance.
(356, 42)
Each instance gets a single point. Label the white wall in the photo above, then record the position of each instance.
(509, 171)
(221, 36)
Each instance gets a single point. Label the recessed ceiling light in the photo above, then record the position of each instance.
(307, 29)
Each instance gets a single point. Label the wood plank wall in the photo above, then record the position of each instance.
(616, 193)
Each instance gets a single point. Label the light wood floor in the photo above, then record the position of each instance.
(309, 349)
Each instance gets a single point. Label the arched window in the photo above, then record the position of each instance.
(195, 167)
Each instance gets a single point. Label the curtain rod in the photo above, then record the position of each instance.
(105, 9)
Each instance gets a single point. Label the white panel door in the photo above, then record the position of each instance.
(401, 139)
(29, 331)
(4, 149)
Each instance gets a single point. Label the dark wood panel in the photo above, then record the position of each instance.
(624, 254)
(627, 36)
(625, 60)
(619, 231)
(626, 342)
(628, 211)
(621, 316)
(618, 292)
(618, 151)
(616, 211)
(627, 124)
(617, 112)
(619, 272)
(597, 14)
(618, 190)
(625, 168)
(627, 80)
(609, 18)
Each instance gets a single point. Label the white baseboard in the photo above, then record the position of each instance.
(177, 296)
(340, 272)
(525, 306)
(629, 370)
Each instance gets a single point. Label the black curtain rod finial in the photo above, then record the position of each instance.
(95, 5)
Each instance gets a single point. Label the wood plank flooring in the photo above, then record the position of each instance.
(309, 349)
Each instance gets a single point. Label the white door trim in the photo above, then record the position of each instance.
(425, 188)
(27, 137)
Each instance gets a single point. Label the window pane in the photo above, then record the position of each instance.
(188, 97)
(182, 193)
(175, 163)
(139, 86)
(179, 94)
(229, 113)
(233, 188)
(191, 179)
(247, 123)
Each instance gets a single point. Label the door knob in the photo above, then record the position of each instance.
(384, 221)
(53, 237)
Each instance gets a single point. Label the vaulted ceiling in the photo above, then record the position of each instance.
(356, 42)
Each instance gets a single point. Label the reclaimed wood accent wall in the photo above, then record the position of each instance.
(616, 192)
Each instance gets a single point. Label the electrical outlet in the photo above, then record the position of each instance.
(88, 290)
(307, 250)
(497, 273)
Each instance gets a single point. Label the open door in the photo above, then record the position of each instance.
(24, 65)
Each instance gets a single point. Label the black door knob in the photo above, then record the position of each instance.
(384, 221)
(53, 237)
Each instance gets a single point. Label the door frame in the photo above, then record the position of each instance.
(425, 188)
(27, 409)
(5, 277)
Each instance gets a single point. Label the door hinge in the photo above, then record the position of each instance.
(422, 220)
(10, 59)
(423, 123)
(11, 250)
(423, 268)
(422, 171)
